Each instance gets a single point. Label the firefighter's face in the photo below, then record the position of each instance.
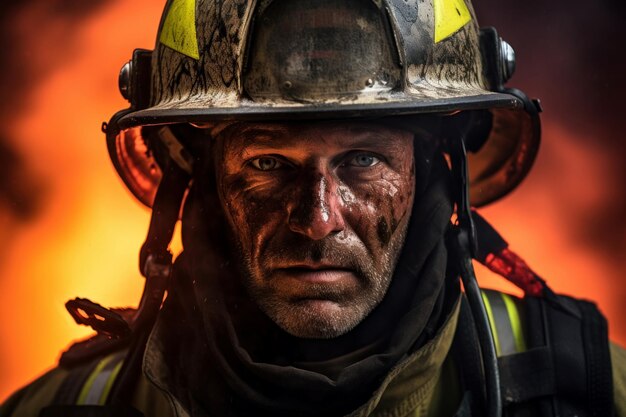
(319, 213)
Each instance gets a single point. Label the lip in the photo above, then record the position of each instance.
(315, 266)
(317, 273)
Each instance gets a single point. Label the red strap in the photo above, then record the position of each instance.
(509, 265)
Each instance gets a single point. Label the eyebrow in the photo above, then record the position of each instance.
(372, 140)
(263, 135)
(278, 137)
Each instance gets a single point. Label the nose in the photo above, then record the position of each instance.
(315, 209)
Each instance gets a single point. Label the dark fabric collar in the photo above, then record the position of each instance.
(228, 359)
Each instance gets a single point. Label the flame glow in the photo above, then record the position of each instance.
(86, 241)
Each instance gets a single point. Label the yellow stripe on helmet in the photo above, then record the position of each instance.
(179, 28)
(450, 17)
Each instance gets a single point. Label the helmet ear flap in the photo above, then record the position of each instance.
(502, 145)
(476, 124)
(508, 153)
(171, 144)
(141, 154)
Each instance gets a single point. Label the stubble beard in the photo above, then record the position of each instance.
(337, 310)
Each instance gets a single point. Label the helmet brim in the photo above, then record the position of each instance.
(247, 110)
(495, 169)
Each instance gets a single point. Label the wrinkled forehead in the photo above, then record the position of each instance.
(426, 127)
(314, 137)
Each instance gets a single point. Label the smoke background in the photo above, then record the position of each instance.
(572, 55)
(70, 229)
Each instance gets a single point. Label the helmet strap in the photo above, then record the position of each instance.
(464, 243)
(155, 263)
(155, 258)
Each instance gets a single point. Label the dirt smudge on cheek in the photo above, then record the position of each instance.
(346, 194)
(387, 226)
(394, 224)
(383, 231)
(235, 186)
(235, 195)
(244, 207)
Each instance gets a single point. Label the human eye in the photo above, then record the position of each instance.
(363, 160)
(266, 163)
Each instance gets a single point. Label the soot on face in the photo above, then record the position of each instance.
(318, 231)
(384, 234)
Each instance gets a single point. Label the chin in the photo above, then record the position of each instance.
(316, 319)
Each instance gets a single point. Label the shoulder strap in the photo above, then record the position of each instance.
(553, 355)
(526, 372)
(577, 334)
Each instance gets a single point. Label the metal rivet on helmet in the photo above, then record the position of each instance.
(508, 60)
(124, 80)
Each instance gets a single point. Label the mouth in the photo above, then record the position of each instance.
(317, 273)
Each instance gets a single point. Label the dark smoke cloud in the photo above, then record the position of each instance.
(36, 37)
(17, 185)
(571, 54)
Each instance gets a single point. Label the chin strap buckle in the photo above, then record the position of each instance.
(155, 268)
(103, 320)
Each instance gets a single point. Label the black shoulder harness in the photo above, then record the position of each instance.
(553, 355)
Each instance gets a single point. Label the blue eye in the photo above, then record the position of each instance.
(266, 163)
(363, 160)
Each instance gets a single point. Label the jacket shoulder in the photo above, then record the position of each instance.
(29, 400)
(72, 370)
(85, 384)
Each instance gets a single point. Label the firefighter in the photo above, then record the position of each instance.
(325, 158)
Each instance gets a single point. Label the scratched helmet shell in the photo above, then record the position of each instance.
(246, 60)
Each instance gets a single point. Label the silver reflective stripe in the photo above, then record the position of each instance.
(101, 381)
(503, 323)
(506, 320)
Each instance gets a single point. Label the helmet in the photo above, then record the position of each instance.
(280, 60)
(322, 59)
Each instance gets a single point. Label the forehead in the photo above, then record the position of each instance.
(316, 135)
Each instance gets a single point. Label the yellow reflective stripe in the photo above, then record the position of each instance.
(84, 392)
(450, 17)
(492, 322)
(516, 322)
(109, 384)
(179, 28)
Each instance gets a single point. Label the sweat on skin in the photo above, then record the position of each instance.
(319, 213)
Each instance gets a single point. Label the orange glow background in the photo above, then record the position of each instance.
(81, 231)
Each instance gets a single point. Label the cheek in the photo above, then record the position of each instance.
(378, 209)
(393, 212)
(253, 209)
(402, 201)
